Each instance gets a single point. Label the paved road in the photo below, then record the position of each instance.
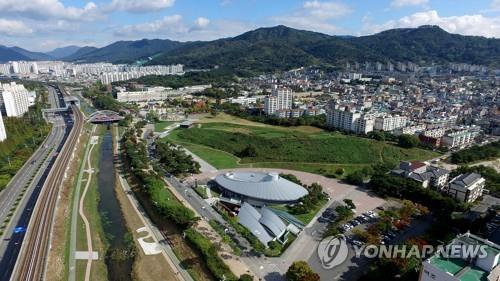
(33, 168)
(12, 243)
(33, 255)
(44, 157)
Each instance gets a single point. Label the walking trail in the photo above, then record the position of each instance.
(84, 218)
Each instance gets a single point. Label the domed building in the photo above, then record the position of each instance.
(259, 189)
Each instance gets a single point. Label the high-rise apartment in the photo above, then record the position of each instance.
(280, 98)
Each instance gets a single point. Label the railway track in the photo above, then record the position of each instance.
(32, 261)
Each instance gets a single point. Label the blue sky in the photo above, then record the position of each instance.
(42, 25)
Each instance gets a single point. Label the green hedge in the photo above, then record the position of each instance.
(209, 252)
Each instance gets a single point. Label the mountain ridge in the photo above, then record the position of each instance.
(281, 47)
(63, 52)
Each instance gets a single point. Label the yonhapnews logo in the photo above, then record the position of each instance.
(333, 251)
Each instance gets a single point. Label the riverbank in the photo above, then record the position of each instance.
(145, 267)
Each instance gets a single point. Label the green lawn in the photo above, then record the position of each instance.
(161, 125)
(302, 149)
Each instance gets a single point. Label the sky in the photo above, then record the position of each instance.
(42, 25)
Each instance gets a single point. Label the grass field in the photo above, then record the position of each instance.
(219, 139)
(161, 125)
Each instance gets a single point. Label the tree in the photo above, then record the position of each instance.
(355, 178)
(349, 203)
(249, 151)
(291, 178)
(300, 271)
(246, 277)
(377, 135)
(344, 212)
(152, 116)
(408, 141)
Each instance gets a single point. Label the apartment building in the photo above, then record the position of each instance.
(466, 187)
(115, 73)
(444, 122)
(348, 119)
(409, 130)
(434, 133)
(3, 133)
(460, 138)
(289, 113)
(390, 123)
(245, 101)
(463, 264)
(14, 99)
(157, 93)
(280, 98)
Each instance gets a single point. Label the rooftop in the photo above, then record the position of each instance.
(262, 186)
(466, 180)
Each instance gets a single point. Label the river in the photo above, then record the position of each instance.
(118, 258)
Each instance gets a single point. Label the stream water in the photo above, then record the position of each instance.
(118, 259)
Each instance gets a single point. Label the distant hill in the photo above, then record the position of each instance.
(83, 51)
(264, 49)
(7, 54)
(16, 53)
(124, 51)
(32, 55)
(60, 53)
(282, 47)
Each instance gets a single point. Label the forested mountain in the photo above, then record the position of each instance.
(124, 51)
(281, 48)
(16, 53)
(63, 52)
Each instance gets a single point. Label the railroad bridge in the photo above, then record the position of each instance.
(104, 116)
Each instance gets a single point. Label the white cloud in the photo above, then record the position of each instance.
(176, 28)
(139, 6)
(14, 28)
(167, 25)
(202, 22)
(326, 10)
(495, 5)
(48, 9)
(315, 15)
(465, 25)
(404, 3)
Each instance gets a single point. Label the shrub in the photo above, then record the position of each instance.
(209, 252)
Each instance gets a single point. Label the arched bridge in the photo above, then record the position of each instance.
(104, 116)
